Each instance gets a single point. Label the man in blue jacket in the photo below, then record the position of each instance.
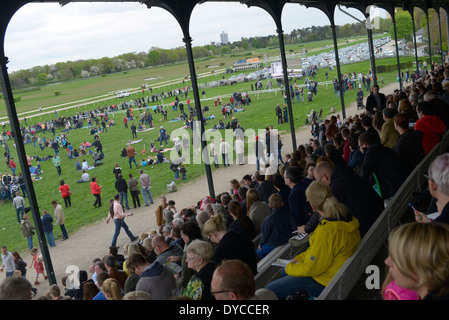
(277, 228)
(299, 207)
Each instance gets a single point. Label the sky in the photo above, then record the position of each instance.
(46, 33)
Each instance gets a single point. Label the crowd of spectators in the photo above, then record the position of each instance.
(332, 188)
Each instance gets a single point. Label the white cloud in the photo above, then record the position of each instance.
(46, 33)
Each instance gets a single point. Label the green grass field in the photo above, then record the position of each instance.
(259, 114)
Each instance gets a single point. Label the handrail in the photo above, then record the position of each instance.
(352, 270)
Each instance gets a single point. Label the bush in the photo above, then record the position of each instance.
(58, 93)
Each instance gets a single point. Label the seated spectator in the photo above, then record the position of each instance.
(367, 124)
(190, 231)
(84, 177)
(334, 240)
(283, 189)
(198, 256)
(388, 134)
(163, 250)
(384, 163)
(409, 145)
(230, 245)
(356, 156)
(297, 203)
(352, 191)
(154, 278)
(257, 210)
(418, 255)
(111, 267)
(432, 127)
(277, 228)
(111, 289)
(265, 187)
(234, 280)
(78, 166)
(241, 223)
(438, 183)
(15, 288)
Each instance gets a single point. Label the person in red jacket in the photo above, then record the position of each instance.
(12, 165)
(432, 127)
(95, 189)
(65, 193)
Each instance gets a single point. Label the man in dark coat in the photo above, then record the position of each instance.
(376, 101)
(384, 163)
(353, 191)
(409, 145)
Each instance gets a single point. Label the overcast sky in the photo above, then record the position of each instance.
(46, 33)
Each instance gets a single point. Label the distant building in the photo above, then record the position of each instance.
(224, 38)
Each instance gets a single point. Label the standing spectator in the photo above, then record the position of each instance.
(95, 189)
(122, 187)
(19, 205)
(13, 166)
(214, 153)
(375, 101)
(47, 224)
(145, 183)
(21, 265)
(162, 135)
(65, 193)
(116, 170)
(134, 190)
(7, 262)
(239, 150)
(27, 230)
(117, 214)
(98, 146)
(134, 130)
(125, 120)
(59, 217)
(131, 153)
(160, 222)
(224, 150)
(57, 162)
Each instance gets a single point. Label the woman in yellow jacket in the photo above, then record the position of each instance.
(334, 240)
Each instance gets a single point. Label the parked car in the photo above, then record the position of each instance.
(251, 77)
(122, 94)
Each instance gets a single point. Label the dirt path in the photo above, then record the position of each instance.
(92, 241)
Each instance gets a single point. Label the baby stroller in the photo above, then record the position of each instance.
(97, 159)
(359, 103)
